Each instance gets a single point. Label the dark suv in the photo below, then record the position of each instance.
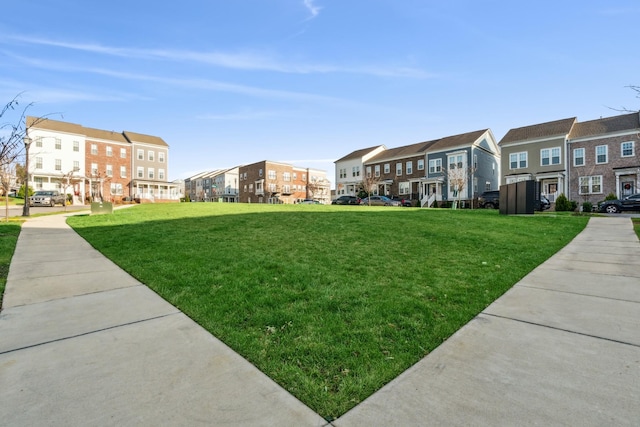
(489, 199)
(346, 200)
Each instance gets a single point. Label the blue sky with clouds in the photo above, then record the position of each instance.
(308, 81)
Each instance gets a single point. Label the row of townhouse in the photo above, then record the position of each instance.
(452, 168)
(93, 164)
(586, 161)
(260, 182)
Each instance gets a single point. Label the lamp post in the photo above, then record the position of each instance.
(25, 208)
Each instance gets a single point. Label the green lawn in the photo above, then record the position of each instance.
(332, 302)
(9, 232)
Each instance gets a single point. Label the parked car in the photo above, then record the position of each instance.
(378, 201)
(629, 203)
(402, 202)
(309, 202)
(46, 198)
(346, 200)
(489, 200)
(544, 203)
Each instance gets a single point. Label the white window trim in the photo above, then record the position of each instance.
(606, 154)
(590, 185)
(633, 148)
(575, 150)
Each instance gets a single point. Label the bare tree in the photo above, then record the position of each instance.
(68, 179)
(458, 178)
(636, 89)
(7, 179)
(369, 183)
(317, 188)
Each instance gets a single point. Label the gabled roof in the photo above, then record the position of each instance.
(104, 134)
(454, 141)
(625, 122)
(402, 152)
(54, 125)
(543, 130)
(358, 154)
(144, 139)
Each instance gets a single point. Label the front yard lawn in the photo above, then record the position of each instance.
(332, 302)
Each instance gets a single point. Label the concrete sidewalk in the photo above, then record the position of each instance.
(83, 343)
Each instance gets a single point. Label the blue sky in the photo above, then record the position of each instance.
(308, 81)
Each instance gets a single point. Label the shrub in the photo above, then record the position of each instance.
(587, 207)
(611, 196)
(565, 205)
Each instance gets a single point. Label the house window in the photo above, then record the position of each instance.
(38, 181)
(475, 162)
(550, 156)
(409, 168)
(475, 184)
(578, 157)
(161, 174)
(455, 162)
(355, 171)
(286, 189)
(109, 170)
(76, 165)
(272, 188)
(58, 164)
(398, 169)
(487, 186)
(387, 168)
(286, 176)
(376, 170)
(58, 144)
(250, 188)
(151, 156)
(123, 153)
(404, 187)
(161, 157)
(109, 151)
(343, 173)
(304, 177)
(435, 165)
(140, 172)
(76, 146)
(151, 173)
(421, 164)
(602, 154)
(627, 149)
(38, 141)
(591, 184)
(94, 149)
(94, 169)
(271, 174)
(123, 171)
(140, 154)
(116, 189)
(368, 171)
(38, 162)
(518, 160)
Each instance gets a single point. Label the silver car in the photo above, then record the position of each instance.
(46, 198)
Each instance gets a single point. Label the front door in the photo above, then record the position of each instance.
(627, 188)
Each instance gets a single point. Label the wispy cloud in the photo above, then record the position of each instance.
(312, 8)
(251, 61)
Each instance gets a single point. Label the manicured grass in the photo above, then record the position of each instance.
(636, 225)
(9, 232)
(332, 302)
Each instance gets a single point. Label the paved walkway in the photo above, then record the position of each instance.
(84, 344)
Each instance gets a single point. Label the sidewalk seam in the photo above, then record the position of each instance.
(561, 329)
(577, 293)
(90, 332)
